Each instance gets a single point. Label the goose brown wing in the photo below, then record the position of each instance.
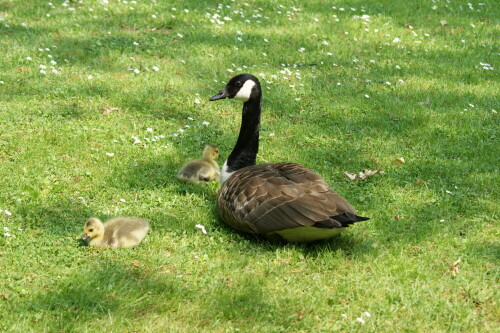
(272, 197)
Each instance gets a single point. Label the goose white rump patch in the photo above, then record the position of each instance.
(307, 234)
(245, 91)
(224, 174)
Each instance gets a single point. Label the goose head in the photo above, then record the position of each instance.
(242, 87)
(245, 88)
(93, 228)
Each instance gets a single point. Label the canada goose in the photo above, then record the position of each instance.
(116, 232)
(201, 170)
(279, 200)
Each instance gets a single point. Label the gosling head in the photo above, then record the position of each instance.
(93, 228)
(211, 152)
(242, 87)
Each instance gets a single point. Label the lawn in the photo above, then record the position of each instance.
(101, 101)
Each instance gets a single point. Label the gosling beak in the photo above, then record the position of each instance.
(221, 95)
(85, 237)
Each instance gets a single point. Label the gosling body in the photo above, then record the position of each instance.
(203, 170)
(117, 232)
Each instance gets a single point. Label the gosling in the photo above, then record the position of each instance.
(203, 170)
(116, 232)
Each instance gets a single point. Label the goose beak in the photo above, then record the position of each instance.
(85, 237)
(221, 95)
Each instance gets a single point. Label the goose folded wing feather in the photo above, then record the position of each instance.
(284, 196)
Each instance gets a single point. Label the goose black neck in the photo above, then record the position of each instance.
(245, 151)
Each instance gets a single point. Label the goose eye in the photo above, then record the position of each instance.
(238, 84)
(90, 230)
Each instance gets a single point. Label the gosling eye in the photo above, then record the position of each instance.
(90, 230)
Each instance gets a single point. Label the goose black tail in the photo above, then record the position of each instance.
(347, 218)
(340, 221)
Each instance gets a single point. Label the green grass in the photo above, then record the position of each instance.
(438, 113)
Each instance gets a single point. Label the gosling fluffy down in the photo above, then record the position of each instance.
(203, 170)
(116, 232)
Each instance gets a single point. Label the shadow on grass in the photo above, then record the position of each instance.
(151, 175)
(348, 243)
(148, 175)
(57, 219)
(106, 295)
(489, 251)
(245, 300)
(401, 14)
(63, 219)
(113, 295)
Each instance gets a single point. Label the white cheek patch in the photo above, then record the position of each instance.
(245, 91)
(224, 175)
